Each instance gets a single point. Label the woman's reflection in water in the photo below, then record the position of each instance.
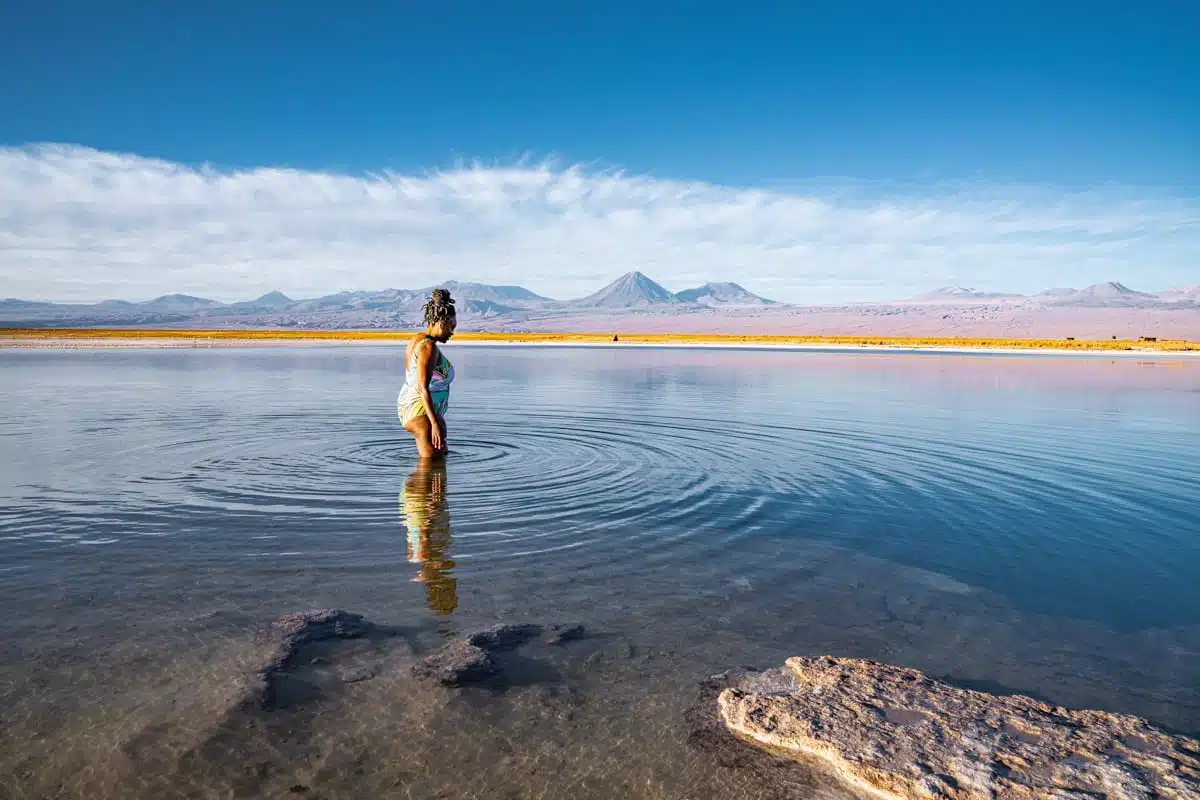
(423, 506)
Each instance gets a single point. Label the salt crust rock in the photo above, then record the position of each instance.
(892, 732)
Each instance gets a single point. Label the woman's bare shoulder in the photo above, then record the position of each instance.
(423, 347)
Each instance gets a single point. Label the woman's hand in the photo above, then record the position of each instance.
(435, 435)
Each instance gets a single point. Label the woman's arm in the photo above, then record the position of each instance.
(425, 351)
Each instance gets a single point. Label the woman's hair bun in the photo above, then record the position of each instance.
(440, 307)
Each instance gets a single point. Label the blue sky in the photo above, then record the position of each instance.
(1025, 109)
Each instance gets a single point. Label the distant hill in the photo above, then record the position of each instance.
(485, 308)
(1111, 289)
(330, 302)
(631, 290)
(957, 293)
(13, 304)
(1182, 294)
(488, 293)
(271, 301)
(179, 302)
(1111, 293)
(467, 297)
(722, 294)
(384, 300)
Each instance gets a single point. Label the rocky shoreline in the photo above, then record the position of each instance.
(837, 728)
(326, 703)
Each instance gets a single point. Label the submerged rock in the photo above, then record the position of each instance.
(506, 637)
(359, 674)
(456, 664)
(292, 632)
(318, 625)
(897, 733)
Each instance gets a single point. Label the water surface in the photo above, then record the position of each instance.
(1027, 523)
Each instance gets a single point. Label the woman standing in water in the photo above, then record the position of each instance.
(427, 377)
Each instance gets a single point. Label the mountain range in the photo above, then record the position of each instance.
(1098, 295)
(636, 302)
(632, 291)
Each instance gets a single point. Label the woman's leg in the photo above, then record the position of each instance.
(421, 430)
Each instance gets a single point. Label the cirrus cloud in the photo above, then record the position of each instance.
(81, 224)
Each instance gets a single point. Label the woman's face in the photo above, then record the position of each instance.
(444, 330)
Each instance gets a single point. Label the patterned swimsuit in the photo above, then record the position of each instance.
(408, 403)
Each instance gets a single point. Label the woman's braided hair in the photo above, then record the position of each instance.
(440, 307)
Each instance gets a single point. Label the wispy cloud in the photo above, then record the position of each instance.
(80, 224)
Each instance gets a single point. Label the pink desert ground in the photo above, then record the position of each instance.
(996, 322)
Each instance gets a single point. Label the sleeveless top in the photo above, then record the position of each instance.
(408, 403)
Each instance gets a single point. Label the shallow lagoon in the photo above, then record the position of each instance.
(1015, 523)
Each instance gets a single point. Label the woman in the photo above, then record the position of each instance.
(428, 374)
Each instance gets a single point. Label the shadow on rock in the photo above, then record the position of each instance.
(487, 657)
(989, 687)
(303, 640)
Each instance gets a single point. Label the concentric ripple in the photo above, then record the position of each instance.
(602, 461)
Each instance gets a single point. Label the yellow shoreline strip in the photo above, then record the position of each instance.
(34, 334)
